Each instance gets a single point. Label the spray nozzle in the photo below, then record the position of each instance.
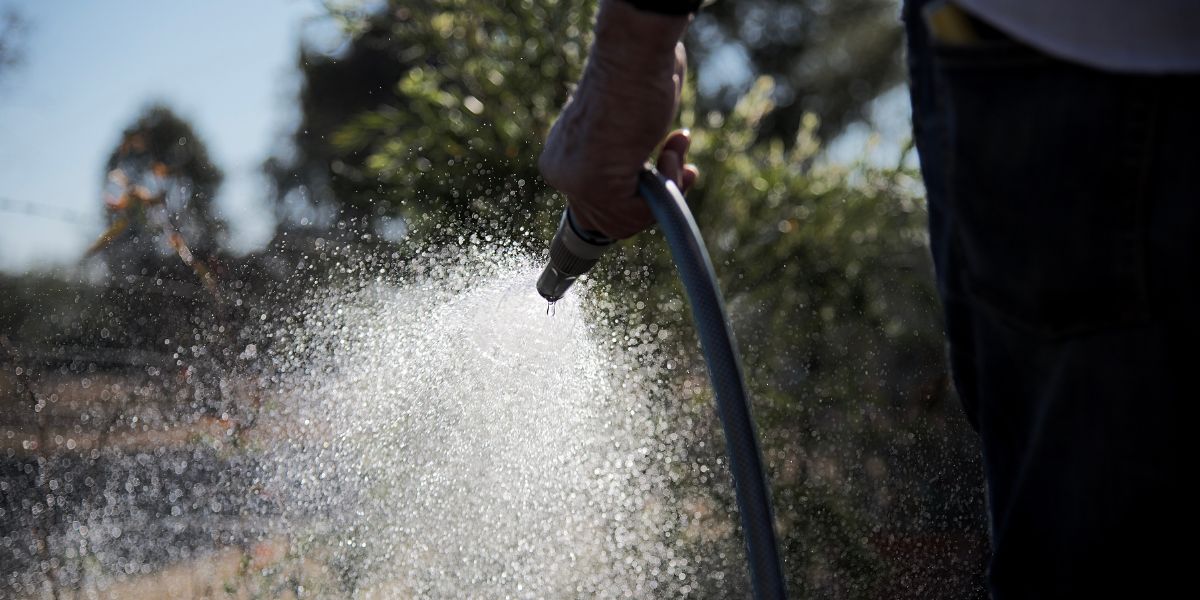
(572, 252)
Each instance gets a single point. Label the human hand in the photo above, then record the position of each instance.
(624, 105)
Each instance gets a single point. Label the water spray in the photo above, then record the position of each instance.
(573, 251)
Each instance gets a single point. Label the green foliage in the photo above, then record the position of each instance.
(816, 252)
(455, 131)
(826, 270)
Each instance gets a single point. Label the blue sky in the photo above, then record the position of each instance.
(91, 66)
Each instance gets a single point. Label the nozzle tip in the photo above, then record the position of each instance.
(571, 255)
(553, 284)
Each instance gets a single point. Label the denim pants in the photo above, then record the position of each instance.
(1064, 218)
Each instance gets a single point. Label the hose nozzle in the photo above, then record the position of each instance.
(572, 252)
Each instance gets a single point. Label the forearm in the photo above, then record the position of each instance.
(632, 49)
(667, 7)
(641, 39)
(628, 94)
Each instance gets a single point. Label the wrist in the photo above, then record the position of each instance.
(641, 35)
(668, 7)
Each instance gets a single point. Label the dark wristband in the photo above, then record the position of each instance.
(667, 7)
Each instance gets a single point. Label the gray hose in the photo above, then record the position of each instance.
(725, 371)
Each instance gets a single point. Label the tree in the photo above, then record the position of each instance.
(826, 58)
(319, 179)
(159, 188)
(12, 30)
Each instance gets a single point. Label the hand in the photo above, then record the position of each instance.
(624, 105)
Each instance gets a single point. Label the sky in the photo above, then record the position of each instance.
(90, 67)
(227, 66)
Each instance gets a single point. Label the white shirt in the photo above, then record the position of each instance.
(1133, 36)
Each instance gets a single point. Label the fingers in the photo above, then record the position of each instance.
(673, 154)
(672, 160)
(690, 175)
(622, 217)
(670, 164)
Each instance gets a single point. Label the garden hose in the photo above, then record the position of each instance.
(574, 251)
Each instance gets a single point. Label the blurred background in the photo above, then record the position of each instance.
(172, 175)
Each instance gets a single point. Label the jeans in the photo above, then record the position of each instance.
(1064, 220)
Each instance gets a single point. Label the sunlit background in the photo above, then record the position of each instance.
(268, 328)
(87, 68)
